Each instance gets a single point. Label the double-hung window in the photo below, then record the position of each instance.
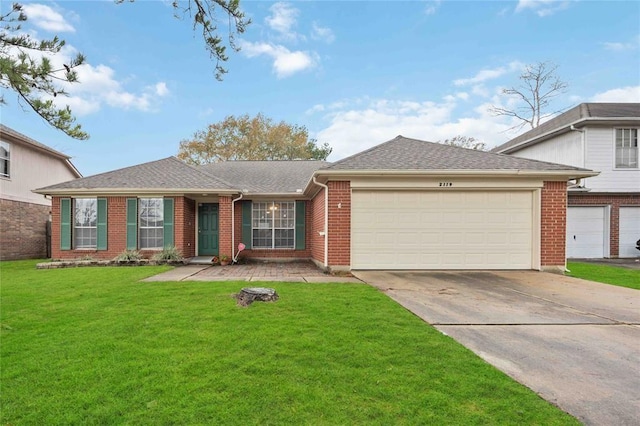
(151, 223)
(273, 225)
(85, 223)
(5, 159)
(626, 148)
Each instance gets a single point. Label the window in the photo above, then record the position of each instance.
(5, 157)
(626, 148)
(151, 223)
(85, 221)
(273, 225)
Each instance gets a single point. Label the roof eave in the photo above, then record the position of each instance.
(134, 191)
(613, 121)
(577, 173)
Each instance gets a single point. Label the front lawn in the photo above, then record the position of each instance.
(95, 346)
(605, 274)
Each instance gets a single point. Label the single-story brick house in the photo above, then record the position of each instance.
(404, 204)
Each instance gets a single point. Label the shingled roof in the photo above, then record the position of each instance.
(166, 174)
(267, 177)
(586, 112)
(406, 154)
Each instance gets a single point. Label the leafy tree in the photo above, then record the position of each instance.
(251, 138)
(539, 84)
(26, 69)
(465, 142)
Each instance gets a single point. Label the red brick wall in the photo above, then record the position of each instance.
(224, 230)
(339, 223)
(316, 241)
(23, 230)
(184, 234)
(185, 225)
(553, 224)
(613, 200)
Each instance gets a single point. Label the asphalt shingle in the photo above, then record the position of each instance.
(580, 112)
(403, 153)
(268, 177)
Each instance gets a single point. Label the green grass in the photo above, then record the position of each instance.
(95, 346)
(605, 274)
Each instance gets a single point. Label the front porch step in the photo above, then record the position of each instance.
(200, 260)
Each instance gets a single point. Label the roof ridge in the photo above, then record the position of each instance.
(363, 152)
(203, 172)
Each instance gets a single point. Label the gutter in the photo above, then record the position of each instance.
(326, 221)
(233, 227)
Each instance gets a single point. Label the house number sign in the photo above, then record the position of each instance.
(446, 184)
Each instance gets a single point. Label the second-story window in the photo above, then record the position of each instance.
(626, 148)
(5, 159)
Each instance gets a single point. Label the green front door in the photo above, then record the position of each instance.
(207, 229)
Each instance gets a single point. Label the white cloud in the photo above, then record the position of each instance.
(285, 62)
(161, 89)
(44, 17)
(620, 47)
(322, 33)
(488, 74)
(543, 8)
(283, 19)
(358, 125)
(432, 7)
(621, 94)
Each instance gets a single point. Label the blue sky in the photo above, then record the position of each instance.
(354, 73)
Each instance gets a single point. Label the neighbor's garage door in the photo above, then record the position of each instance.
(629, 231)
(441, 230)
(586, 236)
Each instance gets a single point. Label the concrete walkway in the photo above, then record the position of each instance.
(284, 272)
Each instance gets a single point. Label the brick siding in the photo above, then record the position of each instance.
(224, 227)
(613, 200)
(339, 223)
(23, 232)
(316, 241)
(553, 228)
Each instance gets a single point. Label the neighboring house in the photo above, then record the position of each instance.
(603, 218)
(26, 164)
(404, 204)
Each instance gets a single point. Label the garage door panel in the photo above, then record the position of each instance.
(442, 230)
(586, 236)
(629, 231)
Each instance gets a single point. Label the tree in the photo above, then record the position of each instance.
(26, 69)
(251, 138)
(26, 66)
(539, 84)
(465, 142)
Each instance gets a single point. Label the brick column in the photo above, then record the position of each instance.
(339, 224)
(225, 224)
(553, 228)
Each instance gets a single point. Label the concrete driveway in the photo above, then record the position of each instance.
(574, 342)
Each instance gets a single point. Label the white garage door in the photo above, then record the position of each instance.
(441, 230)
(586, 237)
(629, 231)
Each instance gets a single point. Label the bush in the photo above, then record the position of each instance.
(168, 254)
(128, 256)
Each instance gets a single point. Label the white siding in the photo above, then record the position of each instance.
(564, 149)
(31, 169)
(598, 156)
(601, 157)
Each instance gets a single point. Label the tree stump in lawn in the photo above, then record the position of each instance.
(248, 295)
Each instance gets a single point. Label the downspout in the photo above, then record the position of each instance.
(233, 226)
(326, 221)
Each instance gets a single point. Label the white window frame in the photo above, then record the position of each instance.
(5, 160)
(158, 209)
(262, 218)
(626, 148)
(87, 233)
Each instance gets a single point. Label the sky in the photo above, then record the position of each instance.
(354, 73)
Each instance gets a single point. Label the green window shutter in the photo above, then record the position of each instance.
(246, 223)
(65, 224)
(300, 216)
(102, 224)
(132, 223)
(168, 222)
